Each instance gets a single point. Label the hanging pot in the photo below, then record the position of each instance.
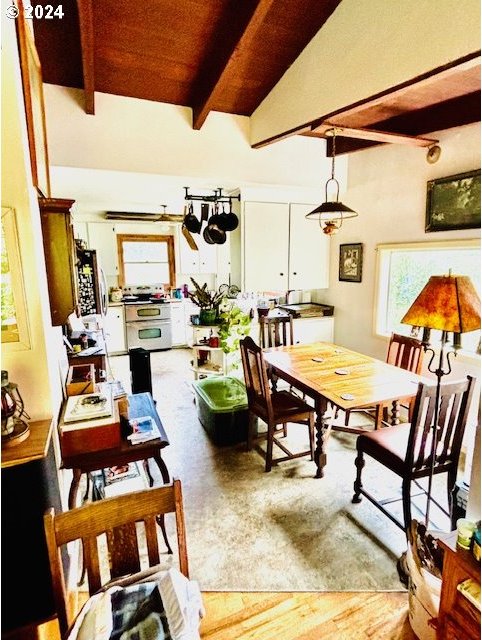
(217, 235)
(207, 237)
(223, 221)
(231, 222)
(192, 223)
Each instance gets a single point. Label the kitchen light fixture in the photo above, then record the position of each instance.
(449, 304)
(331, 213)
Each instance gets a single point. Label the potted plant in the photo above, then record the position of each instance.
(234, 324)
(207, 301)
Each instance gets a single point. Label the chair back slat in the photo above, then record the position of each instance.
(91, 563)
(123, 550)
(151, 540)
(276, 331)
(454, 404)
(256, 376)
(405, 352)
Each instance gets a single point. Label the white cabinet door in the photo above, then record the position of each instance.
(309, 255)
(308, 330)
(102, 238)
(194, 262)
(178, 324)
(266, 235)
(115, 330)
(80, 231)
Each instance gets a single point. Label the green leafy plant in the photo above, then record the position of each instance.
(203, 298)
(234, 325)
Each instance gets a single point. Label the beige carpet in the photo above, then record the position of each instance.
(283, 530)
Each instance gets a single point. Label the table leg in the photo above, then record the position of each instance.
(166, 479)
(395, 413)
(322, 432)
(74, 486)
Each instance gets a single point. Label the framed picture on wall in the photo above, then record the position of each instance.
(351, 262)
(453, 202)
(34, 105)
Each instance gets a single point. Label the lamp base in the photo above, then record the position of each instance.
(21, 432)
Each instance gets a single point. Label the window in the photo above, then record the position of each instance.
(146, 260)
(404, 269)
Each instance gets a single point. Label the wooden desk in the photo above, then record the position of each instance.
(369, 380)
(140, 404)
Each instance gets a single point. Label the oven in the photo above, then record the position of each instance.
(148, 325)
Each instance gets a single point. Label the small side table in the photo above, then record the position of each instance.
(458, 619)
(140, 404)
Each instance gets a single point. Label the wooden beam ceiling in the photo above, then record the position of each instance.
(86, 25)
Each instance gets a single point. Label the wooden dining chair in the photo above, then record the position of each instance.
(405, 449)
(404, 352)
(273, 407)
(275, 331)
(115, 517)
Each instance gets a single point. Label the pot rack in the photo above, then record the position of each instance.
(218, 196)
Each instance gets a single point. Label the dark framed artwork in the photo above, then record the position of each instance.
(453, 202)
(34, 105)
(351, 262)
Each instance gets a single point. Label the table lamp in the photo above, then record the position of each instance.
(449, 304)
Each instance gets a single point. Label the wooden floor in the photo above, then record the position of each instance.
(292, 616)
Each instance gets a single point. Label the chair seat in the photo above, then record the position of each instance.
(286, 407)
(388, 446)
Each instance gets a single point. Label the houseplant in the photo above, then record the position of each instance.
(207, 301)
(234, 324)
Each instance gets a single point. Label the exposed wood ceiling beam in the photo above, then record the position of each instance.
(374, 135)
(220, 83)
(86, 23)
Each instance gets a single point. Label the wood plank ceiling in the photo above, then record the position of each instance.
(227, 55)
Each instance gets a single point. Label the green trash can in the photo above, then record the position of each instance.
(222, 407)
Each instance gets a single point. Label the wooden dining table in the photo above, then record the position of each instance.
(334, 376)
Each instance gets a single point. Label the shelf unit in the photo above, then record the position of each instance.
(206, 361)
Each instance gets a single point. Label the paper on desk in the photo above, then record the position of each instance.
(75, 323)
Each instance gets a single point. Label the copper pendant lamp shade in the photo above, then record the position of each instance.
(447, 303)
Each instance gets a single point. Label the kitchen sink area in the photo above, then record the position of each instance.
(308, 309)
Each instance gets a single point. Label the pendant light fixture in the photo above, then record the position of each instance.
(331, 213)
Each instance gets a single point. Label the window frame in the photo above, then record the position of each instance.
(168, 239)
(382, 273)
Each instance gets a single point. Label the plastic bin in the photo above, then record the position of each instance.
(222, 407)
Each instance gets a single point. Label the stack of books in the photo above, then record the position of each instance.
(142, 430)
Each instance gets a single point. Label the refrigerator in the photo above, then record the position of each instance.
(91, 284)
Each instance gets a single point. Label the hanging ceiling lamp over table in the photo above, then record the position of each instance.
(331, 213)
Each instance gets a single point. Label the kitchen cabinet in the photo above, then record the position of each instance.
(195, 262)
(282, 249)
(102, 238)
(115, 329)
(308, 330)
(60, 257)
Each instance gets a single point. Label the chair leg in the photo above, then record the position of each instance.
(378, 416)
(269, 448)
(451, 478)
(285, 429)
(311, 433)
(357, 485)
(407, 505)
(347, 417)
(251, 425)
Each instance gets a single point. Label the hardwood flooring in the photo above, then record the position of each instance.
(292, 616)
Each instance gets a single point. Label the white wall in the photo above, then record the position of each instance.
(33, 368)
(364, 48)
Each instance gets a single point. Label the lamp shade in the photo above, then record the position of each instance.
(447, 303)
(331, 211)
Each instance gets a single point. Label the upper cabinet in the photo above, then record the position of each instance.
(102, 238)
(282, 249)
(60, 257)
(194, 262)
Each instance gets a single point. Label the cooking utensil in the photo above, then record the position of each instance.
(217, 235)
(190, 240)
(223, 221)
(231, 221)
(204, 212)
(207, 237)
(192, 223)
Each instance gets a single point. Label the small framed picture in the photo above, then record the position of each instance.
(453, 202)
(351, 261)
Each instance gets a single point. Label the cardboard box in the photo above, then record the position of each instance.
(86, 436)
(80, 379)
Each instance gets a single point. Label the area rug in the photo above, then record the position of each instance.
(284, 530)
